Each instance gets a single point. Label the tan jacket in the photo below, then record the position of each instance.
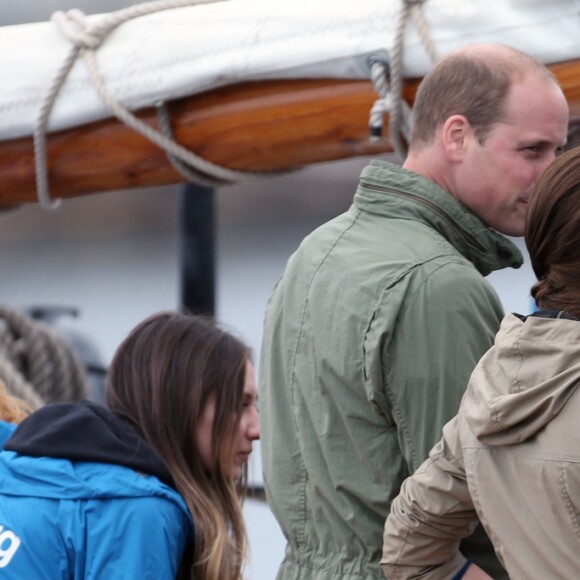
(511, 457)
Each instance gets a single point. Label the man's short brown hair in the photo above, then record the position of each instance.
(473, 82)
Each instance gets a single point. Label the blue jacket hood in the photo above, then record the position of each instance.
(82, 451)
(81, 496)
(86, 431)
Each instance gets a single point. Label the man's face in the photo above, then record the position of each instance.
(495, 178)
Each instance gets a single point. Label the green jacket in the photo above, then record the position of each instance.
(369, 341)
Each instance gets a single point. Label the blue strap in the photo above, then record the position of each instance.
(462, 571)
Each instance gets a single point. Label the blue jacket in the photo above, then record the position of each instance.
(64, 519)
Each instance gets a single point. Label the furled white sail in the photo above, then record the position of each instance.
(184, 51)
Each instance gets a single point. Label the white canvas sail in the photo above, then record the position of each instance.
(184, 51)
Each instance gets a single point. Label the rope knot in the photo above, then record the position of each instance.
(76, 27)
(85, 37)
(387, 80)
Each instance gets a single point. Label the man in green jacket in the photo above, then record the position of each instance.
(382, 313)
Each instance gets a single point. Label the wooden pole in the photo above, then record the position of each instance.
(273, 125)
(261, 126)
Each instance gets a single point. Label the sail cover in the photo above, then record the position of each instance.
(184, 51)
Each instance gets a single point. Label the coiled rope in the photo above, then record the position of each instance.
(36, 364)
(86, 37)
(388, 80)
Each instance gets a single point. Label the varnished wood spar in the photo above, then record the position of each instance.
(254, 126)
(568, 75)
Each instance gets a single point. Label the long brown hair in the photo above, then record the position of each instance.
(553, 235)
(161, 378)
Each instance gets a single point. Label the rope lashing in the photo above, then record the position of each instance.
(86, 36)
(197, 169)
(380, 74)
(391, 89)
(36, 364)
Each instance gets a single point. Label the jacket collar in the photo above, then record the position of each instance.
(389, 190)
(86, 431)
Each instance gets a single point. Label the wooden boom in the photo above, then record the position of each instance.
(257, 126)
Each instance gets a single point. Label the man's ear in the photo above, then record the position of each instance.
(455, 134)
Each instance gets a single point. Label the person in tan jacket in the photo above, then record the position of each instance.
(511, 456)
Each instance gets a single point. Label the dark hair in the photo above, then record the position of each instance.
(471, 83)
(552, 234)
(161, 378)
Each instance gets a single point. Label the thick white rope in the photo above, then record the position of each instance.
(188, 171)
(193, 167)
(418, 16)
(36, 364)
(389, 83)
(386, 104)
(17, 385)
(86, 37)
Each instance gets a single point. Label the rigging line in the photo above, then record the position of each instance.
(396, 114)
(86, 37)
(389, 83)
(197, 169)
(193, 175)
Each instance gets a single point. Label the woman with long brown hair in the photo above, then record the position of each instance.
(154, 482)
(511, 456)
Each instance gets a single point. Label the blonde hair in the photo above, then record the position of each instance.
(12, 409)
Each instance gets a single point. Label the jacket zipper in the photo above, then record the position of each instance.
(469, 239)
